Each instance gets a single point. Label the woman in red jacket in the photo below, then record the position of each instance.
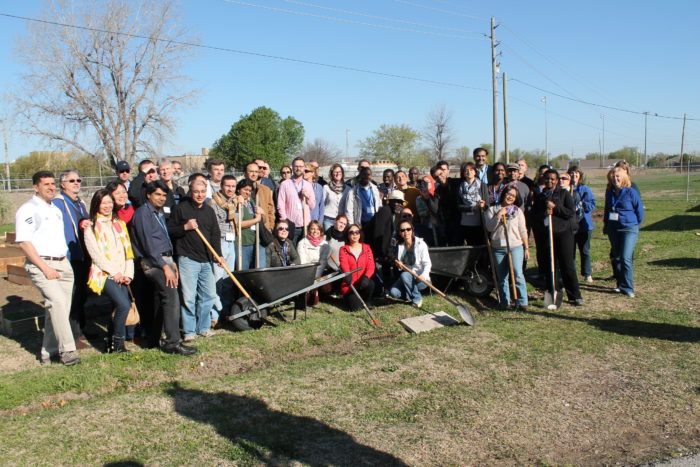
(355, 254)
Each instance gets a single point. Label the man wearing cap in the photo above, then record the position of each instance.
(123, 172)
(137, 190)
(39, 227)
(513, 177)
(361, 202)
(379, 234)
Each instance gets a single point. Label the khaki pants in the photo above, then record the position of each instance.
(57, 294)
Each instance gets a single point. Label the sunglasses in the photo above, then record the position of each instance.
(408, 229)
(74, 180)
(282, 229)
(353, 232)
(564, 178)
(308, 171)
(124, 171)
(285, 172)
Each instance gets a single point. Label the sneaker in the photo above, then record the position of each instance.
(630, 294)
(578, 302)
(209, 333)
(189, 338)
(69, 358)
(617, 290)
(589, 279)
(418, 303)
(44, 361)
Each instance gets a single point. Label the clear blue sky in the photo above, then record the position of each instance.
(639, 55)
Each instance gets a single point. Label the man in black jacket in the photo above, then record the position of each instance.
(137, 190)
(379, 234)
(196, 263)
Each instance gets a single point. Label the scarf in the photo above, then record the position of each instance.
(283, 252)
(511, 211)
(229, 205)
(334, 233)
(315, 241)
(409, 255)
(336, 187)
(431, 190)
(470, 194)
(102, 227)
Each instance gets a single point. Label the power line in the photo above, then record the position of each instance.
(440, 10)
(521, 58)
(382, 18)
(244, 52)
(350, 21)
(581, 101)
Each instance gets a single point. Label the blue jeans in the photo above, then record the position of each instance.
(248, 256)
(119, 296)
(408, 287)
(198, 287)
(224, 284)
(622, 242)
(583, 241)
(503, 274)
(328, 222)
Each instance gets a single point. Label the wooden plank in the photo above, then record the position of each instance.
(10, 237)
(425, 323)
(14, 260)
(18, 275)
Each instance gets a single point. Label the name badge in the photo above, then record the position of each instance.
(252, 227)
(230, 236)
(546, 221)
(298, 204)
(503, 243)
(166, 209)
(614, 216)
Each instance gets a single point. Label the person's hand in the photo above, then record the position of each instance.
(306, 192)
(126, 280)
(527, 254)
(118, 278)
(191, 224)
(85, 224)
(170, 276)
(259, 211)
(482, 204)
(50, 273)
(550, 205)
(502, 212)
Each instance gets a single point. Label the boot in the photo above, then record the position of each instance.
(118, 345)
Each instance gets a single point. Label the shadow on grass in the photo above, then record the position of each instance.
(16, 308)
(674, 223)
(631, 327)
(124, 463)
(255, 428)
(681, 263)
(694, 209)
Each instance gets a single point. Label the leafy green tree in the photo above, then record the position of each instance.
(260, 134)
(394, 143)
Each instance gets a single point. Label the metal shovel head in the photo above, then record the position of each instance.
(553, 302)
(466, 315)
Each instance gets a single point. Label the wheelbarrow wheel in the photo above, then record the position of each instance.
(479, 285)
(245, 323)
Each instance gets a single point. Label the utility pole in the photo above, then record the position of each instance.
(602, 150)
(494, 74)
(646, 114)
(687, 182)
(505, 116)
(347, 145)
(7, 156)
(546, 138)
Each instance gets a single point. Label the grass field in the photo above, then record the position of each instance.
(617, 381)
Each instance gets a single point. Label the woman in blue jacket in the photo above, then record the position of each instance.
(624, 213)
(584, 208)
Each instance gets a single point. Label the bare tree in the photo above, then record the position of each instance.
(110, 82)
(321, 151)
(438, 131)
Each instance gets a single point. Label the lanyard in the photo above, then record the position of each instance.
(163, 227)
(615, 201)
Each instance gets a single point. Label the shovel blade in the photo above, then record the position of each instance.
(466, 315)
(552, 301)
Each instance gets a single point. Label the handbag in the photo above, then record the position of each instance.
(133, 317)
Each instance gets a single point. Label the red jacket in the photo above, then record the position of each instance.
(348, 263)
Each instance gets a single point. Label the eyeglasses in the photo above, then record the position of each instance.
(307, 171)
(285, 172)
(282, 229)
(125, 171)
(353, 232)
(407, 229)
(565, 178)
(74, 180)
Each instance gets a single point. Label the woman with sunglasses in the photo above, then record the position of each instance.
(584, 208)
(108, 243)
(356, 254)
(333, 193)
(508, 210)
(281, 251)
(412, 252)
(555, 204)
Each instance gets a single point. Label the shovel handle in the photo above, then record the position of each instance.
(357, 294)
(434, 289)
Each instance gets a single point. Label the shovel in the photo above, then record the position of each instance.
(552, 299)
(510, 262)
(357, 294)
(490, 252)
(462, 309)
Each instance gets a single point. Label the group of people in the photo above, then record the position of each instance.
(163, 245)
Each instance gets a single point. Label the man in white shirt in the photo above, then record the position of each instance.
(39, 227)
(216, 169)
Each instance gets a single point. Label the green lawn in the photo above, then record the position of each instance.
(614, 382)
